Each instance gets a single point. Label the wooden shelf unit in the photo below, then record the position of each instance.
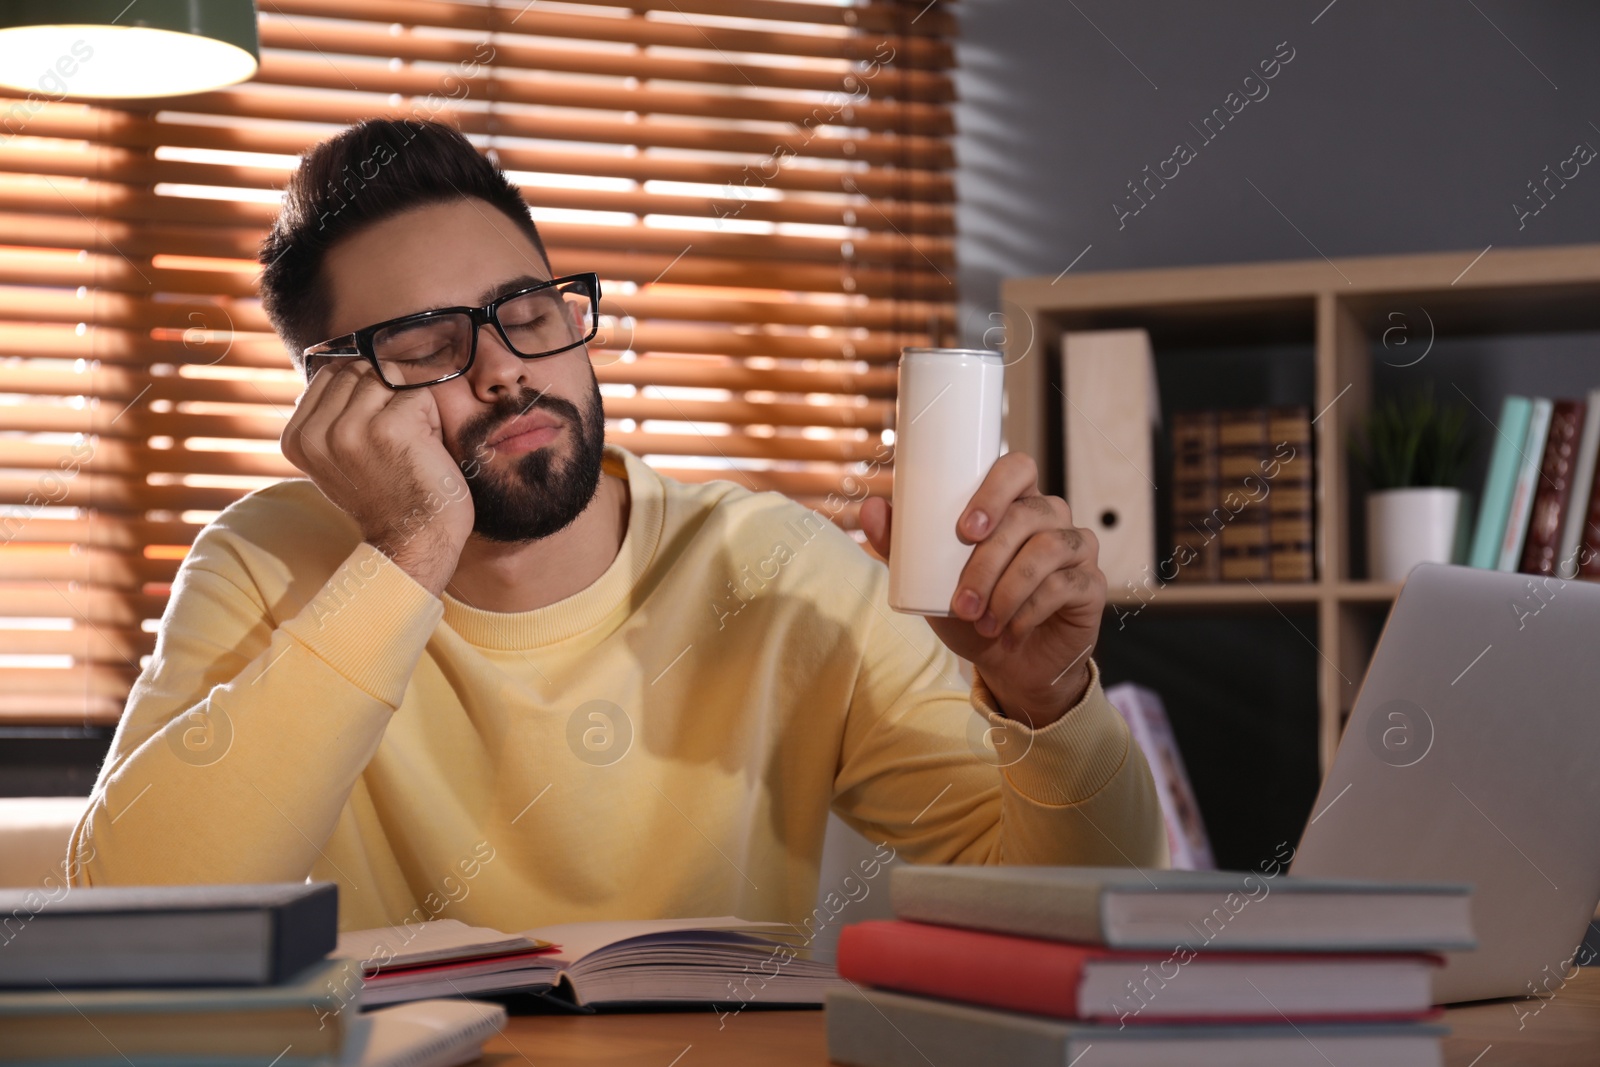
(1343, 306)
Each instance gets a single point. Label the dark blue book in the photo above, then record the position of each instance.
(247, 935)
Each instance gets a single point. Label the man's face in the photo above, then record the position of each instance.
(527, 433)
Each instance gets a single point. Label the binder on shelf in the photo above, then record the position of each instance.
(1110, 411)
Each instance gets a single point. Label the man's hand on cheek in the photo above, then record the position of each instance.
(1027, 609)
(379, 454)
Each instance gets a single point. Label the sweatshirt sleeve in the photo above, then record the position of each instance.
(248, 728)
(929, 766)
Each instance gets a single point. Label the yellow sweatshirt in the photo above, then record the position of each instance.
(667, 742)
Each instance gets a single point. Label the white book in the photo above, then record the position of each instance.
(1527, 485)
(427, 1033)
(1582, 482)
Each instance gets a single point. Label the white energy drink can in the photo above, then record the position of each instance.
(947, 436)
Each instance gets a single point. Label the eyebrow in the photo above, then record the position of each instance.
(523, 281)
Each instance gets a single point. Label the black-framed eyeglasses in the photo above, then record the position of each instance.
(434, 346)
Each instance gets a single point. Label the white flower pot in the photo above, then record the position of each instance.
(1406, 527)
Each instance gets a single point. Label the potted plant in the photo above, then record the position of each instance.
(1413, 451)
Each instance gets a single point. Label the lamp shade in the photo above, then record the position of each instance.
(113, 48)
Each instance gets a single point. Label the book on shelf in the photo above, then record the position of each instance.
(1241, 443)
(1187, 842)
(1504, 460)
(1289, 507)
(709, 960)
(177, 935)
(1540, 512)
(1553, 488)
(1242, 495)
(877, 1028)
(1131, 908)
(1569, 555)
(1529, 457)
(1195, 492)
(1093, 983)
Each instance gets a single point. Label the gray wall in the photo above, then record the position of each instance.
(1395, 127)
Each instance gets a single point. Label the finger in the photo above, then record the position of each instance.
(352, 399)
(876, 515)
(1078, 585)
(338, 429)
(1014, 475)
(1042, 555)
(305, 404)
(989, 560)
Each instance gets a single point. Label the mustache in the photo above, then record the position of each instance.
(475, 434)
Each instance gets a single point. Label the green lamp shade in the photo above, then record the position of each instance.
(148, 48)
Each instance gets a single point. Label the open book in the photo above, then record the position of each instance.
(722, 960)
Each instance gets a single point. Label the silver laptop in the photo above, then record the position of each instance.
(1473, 755)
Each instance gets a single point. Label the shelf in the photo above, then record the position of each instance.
(1337, 312)
(1244, 594)
(1367, 592)
(1221, 594)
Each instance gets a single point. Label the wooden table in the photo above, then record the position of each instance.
(1561, 1031)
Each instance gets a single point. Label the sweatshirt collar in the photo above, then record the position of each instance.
(588, 607)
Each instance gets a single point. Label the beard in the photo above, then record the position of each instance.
(542, 492)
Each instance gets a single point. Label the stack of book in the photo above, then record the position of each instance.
(1540, 508)
(1034, 965)
(1241, 495)
(216, 975)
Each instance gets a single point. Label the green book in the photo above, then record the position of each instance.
(874, 1028)
(1504, 462)
(1526, 484)
(299, 1023)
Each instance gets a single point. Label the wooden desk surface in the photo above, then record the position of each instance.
(1560, 1031)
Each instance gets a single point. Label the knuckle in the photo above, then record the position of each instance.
(1038, 505)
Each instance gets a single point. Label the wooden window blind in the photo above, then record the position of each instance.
(763, 186)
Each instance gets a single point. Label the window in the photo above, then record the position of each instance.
(762, 185)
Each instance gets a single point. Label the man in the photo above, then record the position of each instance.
(480, 666)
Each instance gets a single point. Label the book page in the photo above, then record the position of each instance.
(577, 940)
(438, 939)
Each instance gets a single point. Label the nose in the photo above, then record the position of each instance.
(496, 370)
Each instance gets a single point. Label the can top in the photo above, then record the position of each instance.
(974, 353)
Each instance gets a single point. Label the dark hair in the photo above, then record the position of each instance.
(372, 171)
